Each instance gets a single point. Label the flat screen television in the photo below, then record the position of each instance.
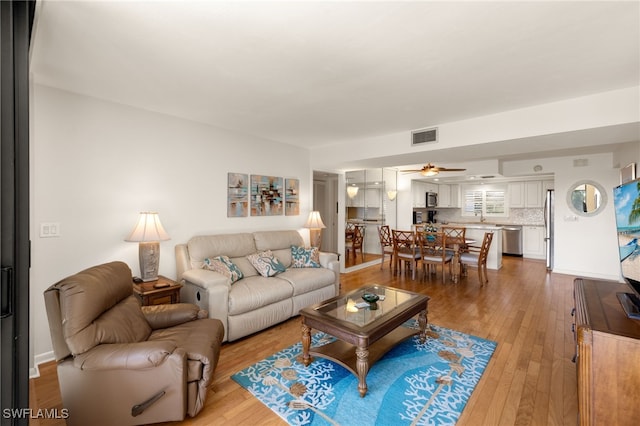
(626, 198)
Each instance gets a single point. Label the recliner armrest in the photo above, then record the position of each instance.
(327, 258)
(130, 356)
(163, 316)
(205, 278)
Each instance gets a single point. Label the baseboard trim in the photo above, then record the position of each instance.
(34, 372)
(589, 275)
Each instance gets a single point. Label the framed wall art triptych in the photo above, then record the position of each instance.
(258, 195)
(237, 195)
(266, 195)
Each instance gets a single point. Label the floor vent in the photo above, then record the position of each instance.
(419, 137)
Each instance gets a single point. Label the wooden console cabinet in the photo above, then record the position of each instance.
(608, 355)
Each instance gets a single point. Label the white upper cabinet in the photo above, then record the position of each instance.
(533, 193)
(527, 193)
(516, 194)
(418, 193)
(448, 195)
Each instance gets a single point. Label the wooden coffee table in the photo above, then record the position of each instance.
(364, 334)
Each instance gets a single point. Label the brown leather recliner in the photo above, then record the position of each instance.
(123, 364)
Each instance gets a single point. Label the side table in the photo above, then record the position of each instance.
(149, 294)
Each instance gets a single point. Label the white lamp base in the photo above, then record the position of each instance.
(149, 257)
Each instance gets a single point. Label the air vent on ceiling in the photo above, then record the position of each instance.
(419, 137)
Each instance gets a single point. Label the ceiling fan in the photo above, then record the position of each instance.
(431, 170)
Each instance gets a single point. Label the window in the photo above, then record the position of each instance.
(490, 201)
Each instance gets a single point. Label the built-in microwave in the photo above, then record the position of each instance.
(432, 199)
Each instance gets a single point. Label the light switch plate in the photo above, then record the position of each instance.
(49, 229)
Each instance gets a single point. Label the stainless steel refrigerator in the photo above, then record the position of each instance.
(548, 228)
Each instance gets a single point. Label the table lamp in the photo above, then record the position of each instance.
(148, 233)
(315, 225)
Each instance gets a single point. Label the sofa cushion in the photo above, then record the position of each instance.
(255, 292)
(224, 266)
(304, 280)
(266, 263)
(231, 245)
(305, 258)
(245, 266)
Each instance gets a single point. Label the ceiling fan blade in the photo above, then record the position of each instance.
(411, 171)
(444, 169)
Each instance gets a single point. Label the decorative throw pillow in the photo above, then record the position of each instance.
(225, 266)
(266, 263)
(305, 258)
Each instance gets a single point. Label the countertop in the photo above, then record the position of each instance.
(489, 225)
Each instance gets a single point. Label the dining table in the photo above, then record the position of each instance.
(456, 265)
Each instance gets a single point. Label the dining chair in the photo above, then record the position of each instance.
(477, 256)
(348, 231)
(455, 235)
(405, 250)
(433, 252)
(386, 244)
(356, 242)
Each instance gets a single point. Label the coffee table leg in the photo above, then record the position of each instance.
(362, 367)
(422, 321)
(306, 344)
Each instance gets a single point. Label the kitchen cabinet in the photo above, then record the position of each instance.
(533, 244)
(526, 194)
(516, 194)
(372, 197)
(419, 191)
(533, 193)
(448, 195)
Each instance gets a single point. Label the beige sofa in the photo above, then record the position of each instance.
(254, 302)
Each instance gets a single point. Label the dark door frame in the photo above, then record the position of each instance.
(16, 21)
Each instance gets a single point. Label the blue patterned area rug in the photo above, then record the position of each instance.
(417, 384)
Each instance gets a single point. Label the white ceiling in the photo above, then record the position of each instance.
(315, 73)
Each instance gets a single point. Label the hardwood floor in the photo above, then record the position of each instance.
(530, 379)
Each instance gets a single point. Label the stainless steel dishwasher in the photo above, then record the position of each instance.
(512, 240)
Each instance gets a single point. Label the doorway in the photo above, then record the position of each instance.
(325, 200)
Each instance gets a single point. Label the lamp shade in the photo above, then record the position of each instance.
(314, 221)
(148, 229)
(392, 194)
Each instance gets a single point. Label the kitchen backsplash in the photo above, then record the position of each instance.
(532, 216)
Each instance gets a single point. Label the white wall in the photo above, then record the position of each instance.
(588, 245)
(95, 165)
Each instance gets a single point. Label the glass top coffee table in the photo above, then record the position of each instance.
(364, 331)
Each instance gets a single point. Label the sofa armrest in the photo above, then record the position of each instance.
(206, 279)
(129, 356)
(330, 261)
(326, 258)
(168, 315)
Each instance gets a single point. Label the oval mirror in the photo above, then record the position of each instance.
(586, 198)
